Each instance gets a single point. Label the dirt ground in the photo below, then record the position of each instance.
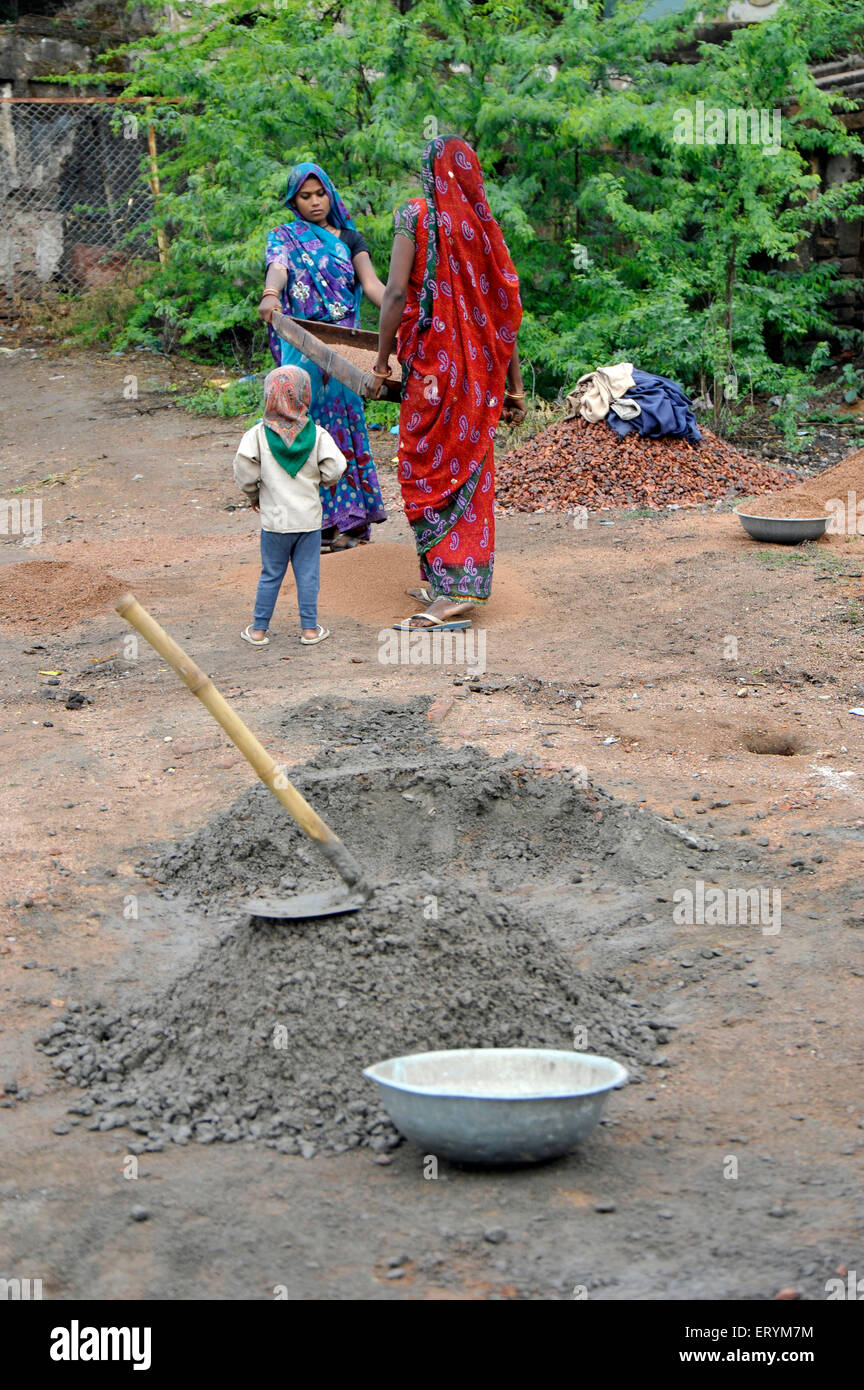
(668, 660)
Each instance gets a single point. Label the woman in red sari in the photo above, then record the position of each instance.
(452, 310)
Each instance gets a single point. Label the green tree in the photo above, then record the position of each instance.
(629, 241)
(708, 225)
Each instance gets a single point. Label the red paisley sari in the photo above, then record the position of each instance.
(455, 342)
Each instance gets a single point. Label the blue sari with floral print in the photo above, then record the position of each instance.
(322, 285)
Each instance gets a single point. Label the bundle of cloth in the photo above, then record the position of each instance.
(629, 399)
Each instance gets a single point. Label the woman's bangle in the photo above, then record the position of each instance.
(515, 395)
(275, 294)
(375, 372)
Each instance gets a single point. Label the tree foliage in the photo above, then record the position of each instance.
(683, 257)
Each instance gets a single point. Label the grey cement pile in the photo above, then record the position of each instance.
(337, 721)
(459, 813)
(266, 1038)
(399, 798)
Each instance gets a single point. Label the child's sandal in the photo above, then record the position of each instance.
(254, 641)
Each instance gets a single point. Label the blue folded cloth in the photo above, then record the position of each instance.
(663, 410)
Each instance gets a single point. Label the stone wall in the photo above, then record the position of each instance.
(66, 177)
(31, 245)
(841, 243)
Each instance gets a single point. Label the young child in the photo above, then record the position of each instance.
(279, 465)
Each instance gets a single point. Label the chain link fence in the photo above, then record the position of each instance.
(77, 182)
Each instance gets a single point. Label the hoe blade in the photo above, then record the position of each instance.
(305, 905)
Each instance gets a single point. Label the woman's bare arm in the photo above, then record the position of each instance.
(514, 399)
(393, 301)
(514, 375)
(276, 279)
(373, 288)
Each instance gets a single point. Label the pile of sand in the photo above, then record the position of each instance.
(822, 495)
(781, 504)
(54, 593)
(365, 360)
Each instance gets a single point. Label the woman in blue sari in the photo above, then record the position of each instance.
(318, 267)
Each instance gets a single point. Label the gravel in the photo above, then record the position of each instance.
(265, 1039)
(575, 463)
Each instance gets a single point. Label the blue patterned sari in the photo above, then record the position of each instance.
(322, 285)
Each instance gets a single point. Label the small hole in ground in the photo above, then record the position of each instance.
(779, 745)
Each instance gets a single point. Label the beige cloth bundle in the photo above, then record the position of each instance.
(596, 392)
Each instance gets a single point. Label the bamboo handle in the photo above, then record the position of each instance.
(242, 737)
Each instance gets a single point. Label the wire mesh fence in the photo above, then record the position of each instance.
(77, 181)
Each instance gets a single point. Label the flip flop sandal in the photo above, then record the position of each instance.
(313, 641)
(423, 594)
(254, 641)
(435, 624)
(334, 549)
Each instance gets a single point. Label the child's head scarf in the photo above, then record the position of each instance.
(289, 429)
(287, 397)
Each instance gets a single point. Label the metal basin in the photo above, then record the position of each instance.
(496, 1104)
(783, 530)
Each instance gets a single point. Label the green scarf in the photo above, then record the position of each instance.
(292, 456)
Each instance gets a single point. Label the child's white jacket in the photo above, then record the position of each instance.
(287, 504)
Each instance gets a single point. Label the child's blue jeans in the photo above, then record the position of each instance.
(300, 549)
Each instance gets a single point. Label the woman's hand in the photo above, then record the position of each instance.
(381, 373)
(514, 410)
(268, 306)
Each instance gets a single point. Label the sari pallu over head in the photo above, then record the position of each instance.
(457, 344)
(321, 279)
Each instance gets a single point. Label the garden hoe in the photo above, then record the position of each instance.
(324, 904)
